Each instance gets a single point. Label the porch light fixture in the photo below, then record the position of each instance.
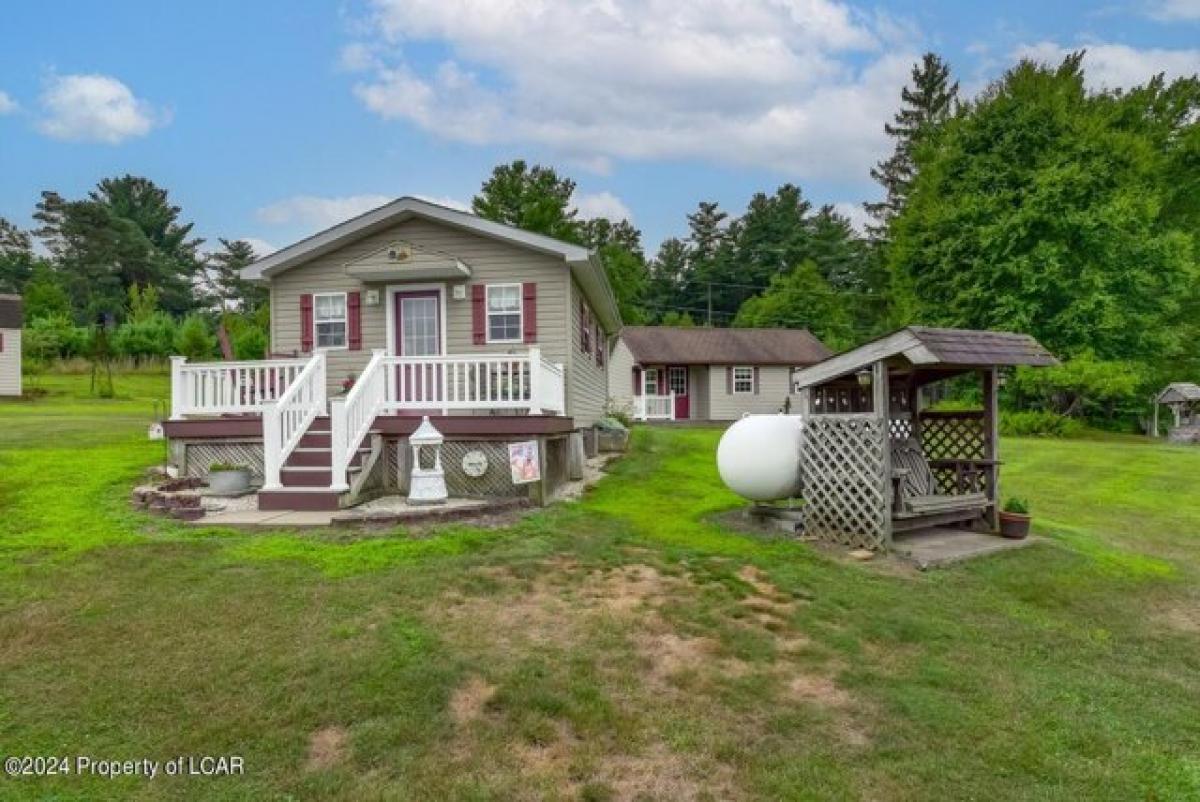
(864, 378)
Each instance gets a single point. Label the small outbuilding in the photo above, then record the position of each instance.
(873, 463)
(11, 319)
(1183, 399)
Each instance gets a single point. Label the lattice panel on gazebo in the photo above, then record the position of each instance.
(845, 491)
(952, 435)
(900, 427)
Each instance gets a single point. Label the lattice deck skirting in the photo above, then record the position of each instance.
(495, 481)
(846, 492)
(197, 457)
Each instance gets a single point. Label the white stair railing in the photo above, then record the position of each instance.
(351, 417)
(285, 420)
(229, 388)
(552, 387)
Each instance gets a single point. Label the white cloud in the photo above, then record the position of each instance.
(601, 204)
(95, 108)
(855, 213)
(7, 104)
(261, 246)
(447, 201)
(316, 212)
(803, 87)
(1109, 66)
(1170, 10)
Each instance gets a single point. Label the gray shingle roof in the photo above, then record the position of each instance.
(982, 348)
(667, 345)
(1179, 391)
(10, 312)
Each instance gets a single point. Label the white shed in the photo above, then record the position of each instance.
(10, 344)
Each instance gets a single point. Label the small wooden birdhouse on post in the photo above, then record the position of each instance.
(426, 485)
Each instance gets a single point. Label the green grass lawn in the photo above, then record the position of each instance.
(622, 647)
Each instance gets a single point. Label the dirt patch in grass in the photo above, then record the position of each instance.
(1181, 616)
(469, 699)
(327, 747)
(627, 588)
(653, 772)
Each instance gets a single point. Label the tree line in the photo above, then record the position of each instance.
(1037, 206)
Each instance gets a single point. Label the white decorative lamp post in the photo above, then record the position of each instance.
(426, 485)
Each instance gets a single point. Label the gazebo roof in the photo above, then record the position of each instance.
(1179, 392)
(927, 347)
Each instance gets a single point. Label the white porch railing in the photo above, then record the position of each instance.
(480, 381)
(285, 420)
(229, 388)
(350, 418)
(654, 407)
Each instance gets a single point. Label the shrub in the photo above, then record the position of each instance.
(226, 466)
(194, 340)
(1106, 393)
(149, 336)
(1038, 424)
(55, 336)
(1017, 506)
(250, 343)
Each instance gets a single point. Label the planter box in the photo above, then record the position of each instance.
(229, 482)
(1014, 526)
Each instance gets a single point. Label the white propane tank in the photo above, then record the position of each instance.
(759, 456)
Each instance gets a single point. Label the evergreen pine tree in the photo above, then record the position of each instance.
(928, 102)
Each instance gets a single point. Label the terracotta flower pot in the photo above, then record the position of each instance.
(1014, 525)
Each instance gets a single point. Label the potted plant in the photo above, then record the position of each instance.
(226, 478)
(348, 383)
(1014, 519)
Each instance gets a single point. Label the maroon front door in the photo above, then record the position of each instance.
(677, 381)
(418, 333)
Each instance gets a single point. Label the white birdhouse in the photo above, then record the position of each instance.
(426, 485)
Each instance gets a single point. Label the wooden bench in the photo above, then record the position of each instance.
(917, 497)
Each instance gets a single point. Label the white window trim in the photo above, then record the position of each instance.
(487, 314)
(657, 381)
(345, 346)
(733, 384)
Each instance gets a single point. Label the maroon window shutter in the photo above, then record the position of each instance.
(306, 322)
(1, 342)
(728, 380)
(599, 345)
(583, 328)
(478, 314)
(756, 381)
(637, 381)
(354, 313)
(529, 310)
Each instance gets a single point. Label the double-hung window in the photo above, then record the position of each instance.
(743, 380)
(329, 320)
(504, 313)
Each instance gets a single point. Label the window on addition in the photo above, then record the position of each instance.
(743, 380)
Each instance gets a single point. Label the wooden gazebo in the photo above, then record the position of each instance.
(874, 463)
(1183, 399)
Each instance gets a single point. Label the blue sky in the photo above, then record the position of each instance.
(270, 120)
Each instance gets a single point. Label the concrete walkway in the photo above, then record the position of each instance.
(946, 545)
(386, 510)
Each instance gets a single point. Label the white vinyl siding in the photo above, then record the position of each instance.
(10, 362)
(774, 387)
(587, 381)
(620, 377)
